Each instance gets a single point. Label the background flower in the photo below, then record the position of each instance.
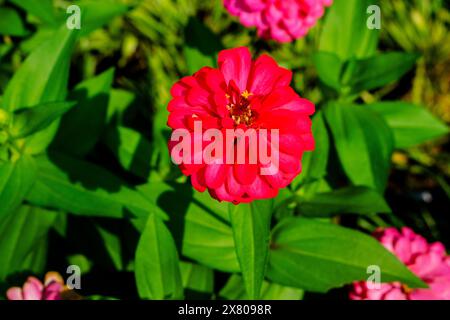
(34, 289)
(281, 20)
(429, 261)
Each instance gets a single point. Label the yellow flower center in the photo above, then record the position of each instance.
(240, 110)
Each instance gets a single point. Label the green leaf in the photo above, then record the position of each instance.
(42, 9)
(359, 200)
(132, 149)
(95, 14)
(251, 229)
(82, 126)
(83, 188)
(317, 256)
(119, 102)
(112, 245)
(161, 159)
(345, 31)
(197, 279)
(16, 179)
(80, 260)
(11, 24)
(377, 71)
(5, 48)
(157, 266)
(328, 66)
(363, 141)
(314, 163)
(208, 236)
(31, 120)
(42, 78)
(36, 261)
(235, 290)
(20, 233)
(201, 46)
(200, 224)
(410, 123)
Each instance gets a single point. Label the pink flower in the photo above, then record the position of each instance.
(248, 95)
(34, 289)
(281, 20)
(428, 261)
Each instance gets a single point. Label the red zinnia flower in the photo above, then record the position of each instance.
(243, 94)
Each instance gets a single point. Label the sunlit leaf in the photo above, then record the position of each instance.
(363, 141)
(410, 123)
(43, 77)
(345, 32)
(31, 120)
(200, 224)
(82, 126)
(157, 266)
(377, 71)
(318, 256)
(21, 232)
(11, 23)
(359, 200)
(16, 179)
(83, 188)
(251, 229)
(131, 148)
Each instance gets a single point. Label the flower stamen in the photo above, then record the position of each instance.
(240, 110)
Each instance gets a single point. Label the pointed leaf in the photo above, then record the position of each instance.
(345, 31)
(157, 266)
(11, 23)
(314, 163)
(363, 141)
(31, 120)
(251, 230)
(43, 77)
(410, 123)
(16, 179)
(20, 233)
(328, 66)
(318, 256)
(131, 148)
(43, 10)
(197, 279)
(83, 188)
(359, 200)
(202, 224)
(82, 126)
(377, 71)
